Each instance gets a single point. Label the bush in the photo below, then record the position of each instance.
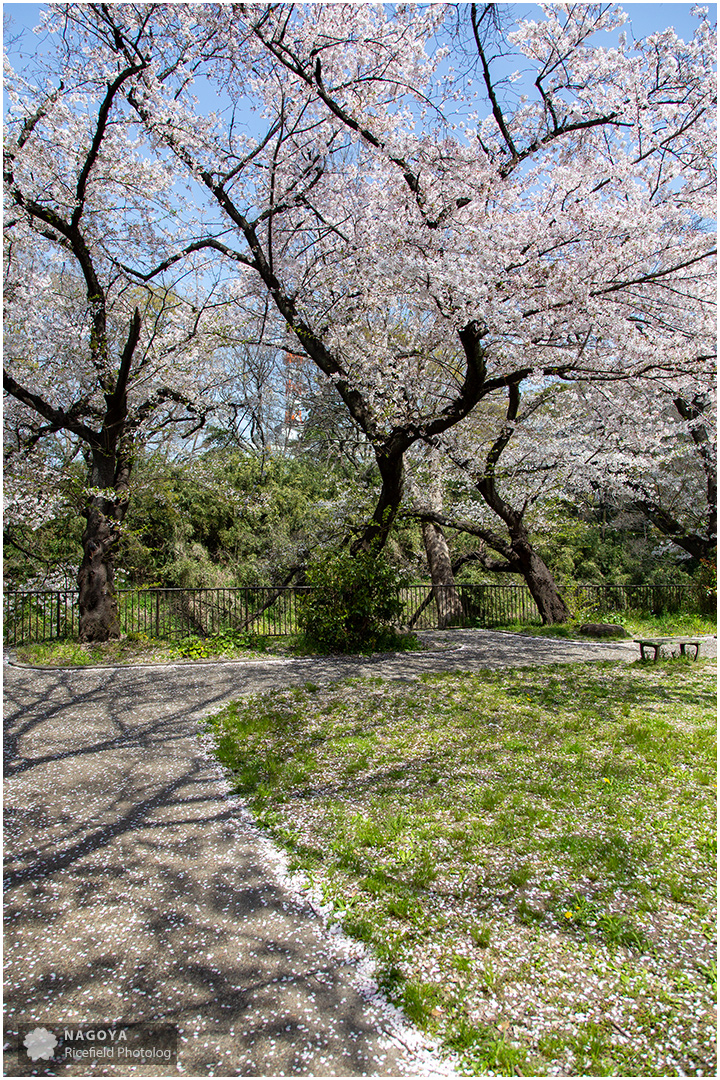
(707, 583)
(354, 603)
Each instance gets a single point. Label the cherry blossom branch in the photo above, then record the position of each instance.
(496, 110)
(98, 136)
(178, 256)
(61, 419)
(493, 539)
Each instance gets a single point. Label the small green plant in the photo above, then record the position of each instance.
(592, 1047)
(354, 605)
(55, 653)
(519, 876)
(528, 914)
(620, 930)
(218, 644)
(140, 647)
(709, 973)
(419, 1001)
(484, 1049)
(480, 936)
(461, 962)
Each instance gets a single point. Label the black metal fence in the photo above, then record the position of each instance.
(654, 599)
(482, 605)
(157, 613)
(274, 612)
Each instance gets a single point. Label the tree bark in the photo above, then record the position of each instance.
(449, 604)
(378, 528)
(518, 557)
(520, 553)
(540, 582)
(99, 618)
(430, 495)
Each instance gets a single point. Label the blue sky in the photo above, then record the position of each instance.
(645, 18)
(22, 44)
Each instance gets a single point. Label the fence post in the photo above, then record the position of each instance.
(157, 614)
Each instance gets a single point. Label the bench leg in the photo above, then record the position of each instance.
(689, 645)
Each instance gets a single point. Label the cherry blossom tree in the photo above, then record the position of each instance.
(641, 446)
(428, 245)
(525, 464)
(425, 488)
(655, 453)
(424, 262)
(87, 353)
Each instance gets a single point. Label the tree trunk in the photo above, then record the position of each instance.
(520, 553)
(449, 604)
(541, 584)
(378, 528)
(99, 619)
(427, 494)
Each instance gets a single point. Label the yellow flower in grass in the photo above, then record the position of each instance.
(568, 914)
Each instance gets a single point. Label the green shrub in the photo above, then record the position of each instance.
(707, 580)
(354, 604)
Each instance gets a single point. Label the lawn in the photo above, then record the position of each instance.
(634, 624)
(529, 854)
(237, 645)
(143, 649)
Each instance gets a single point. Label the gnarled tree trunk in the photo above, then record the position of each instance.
(104, 514)
(522, 557)
(540, 582)
(99, 619)
(376, 532)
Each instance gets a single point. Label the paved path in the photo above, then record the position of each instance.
(138, 888)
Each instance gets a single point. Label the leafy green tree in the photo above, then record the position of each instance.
(232, 518)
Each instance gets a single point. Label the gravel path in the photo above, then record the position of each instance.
(137, 888)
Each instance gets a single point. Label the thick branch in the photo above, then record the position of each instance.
(497, 111)
(700, 547)
(459, 525)
(60, 419)
(198, 245)
(117, 401)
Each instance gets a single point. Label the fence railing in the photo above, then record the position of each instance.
(274, 612)
(655, 599)
(159, 613)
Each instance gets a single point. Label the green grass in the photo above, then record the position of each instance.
(634, 624)
(67, 652)
(139, 648)
(522, 844)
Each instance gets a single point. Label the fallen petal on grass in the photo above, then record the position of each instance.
(529, 853)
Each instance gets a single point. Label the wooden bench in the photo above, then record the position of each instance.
(658, 642)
